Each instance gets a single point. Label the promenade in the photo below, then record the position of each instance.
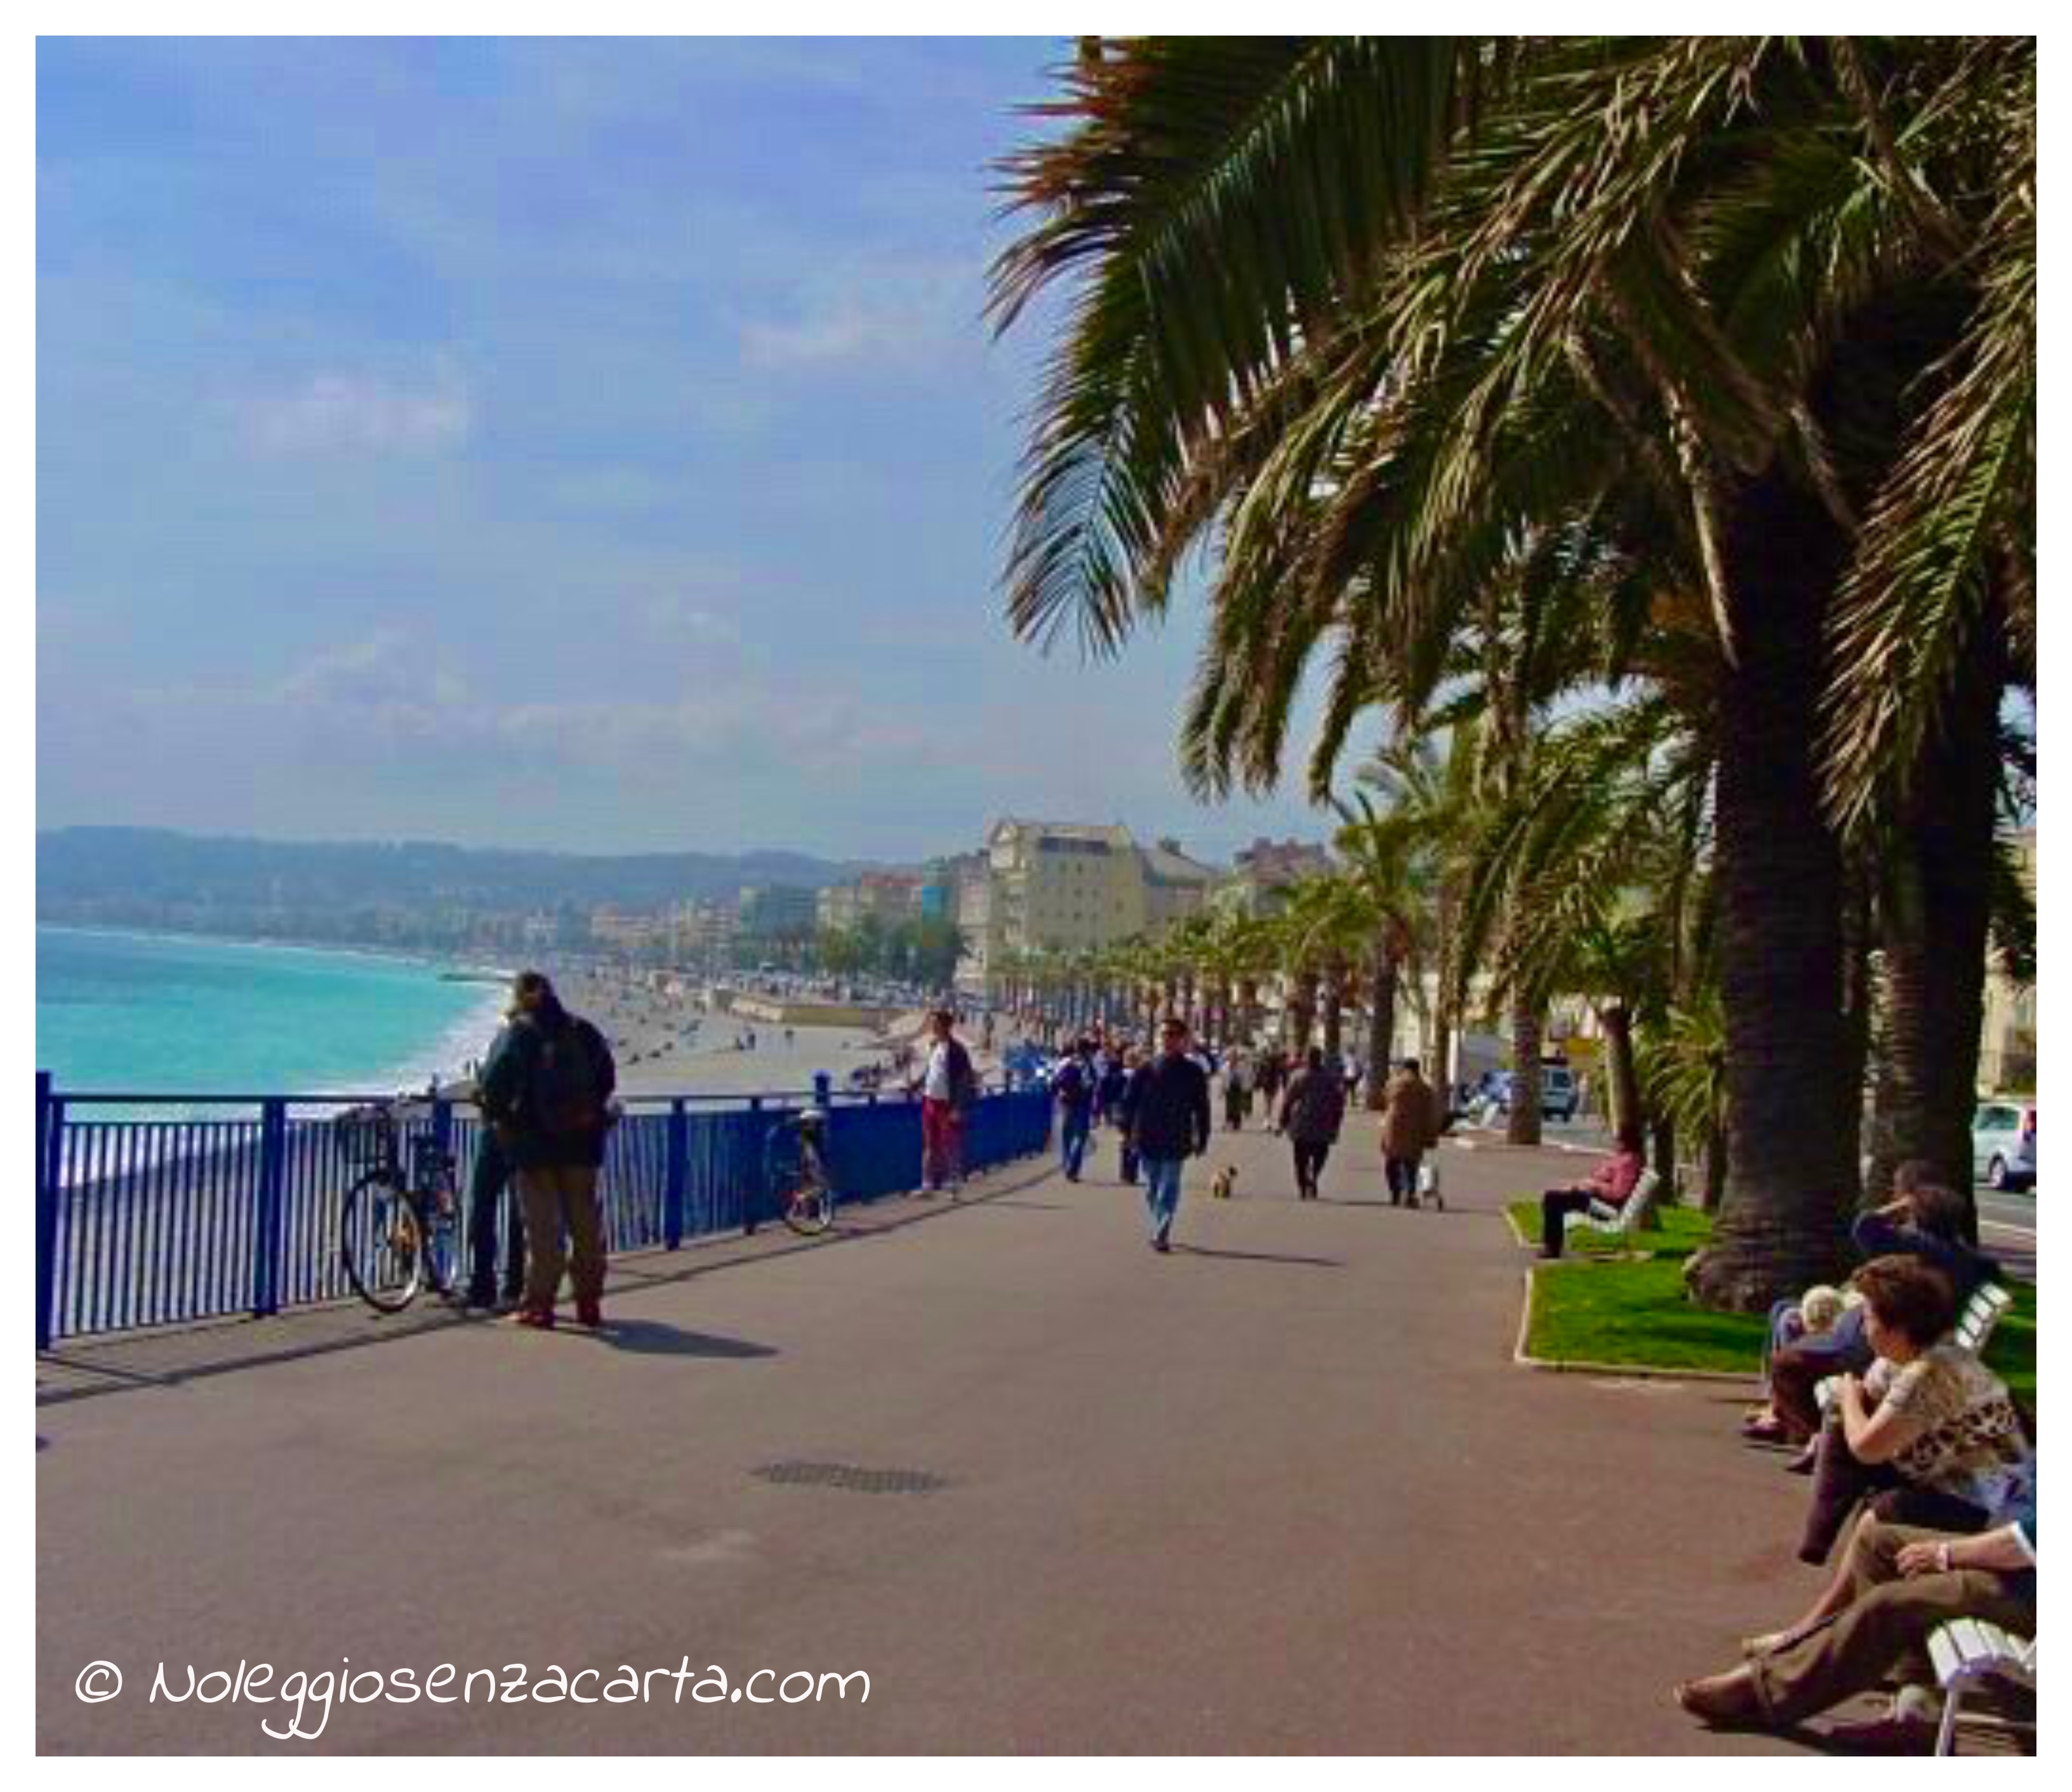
(1283, 1490)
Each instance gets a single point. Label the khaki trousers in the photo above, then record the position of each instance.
(552, 1194)
(1883, 1632)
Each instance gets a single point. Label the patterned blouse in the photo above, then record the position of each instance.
(1972, 1444)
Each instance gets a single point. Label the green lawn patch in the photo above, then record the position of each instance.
(1629, 1308)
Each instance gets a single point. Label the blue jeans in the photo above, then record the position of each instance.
(1162, 1192)
(1078, 1123)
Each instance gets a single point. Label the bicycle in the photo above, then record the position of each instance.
(794, 1167)
(399, 1234)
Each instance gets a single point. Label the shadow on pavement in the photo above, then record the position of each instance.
(653, 1337)
(1261, 1256)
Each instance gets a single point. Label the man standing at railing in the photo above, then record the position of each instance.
(545, 1091)
(949, 1085)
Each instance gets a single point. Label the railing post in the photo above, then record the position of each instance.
(823, 1092)
(50, 1127)
(267, 1229)
(676, 1166)
(752, 1190)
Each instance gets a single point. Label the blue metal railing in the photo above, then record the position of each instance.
(210, 1206)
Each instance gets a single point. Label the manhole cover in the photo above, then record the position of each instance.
(850, 1478)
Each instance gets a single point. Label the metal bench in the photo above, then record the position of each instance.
(1968, 1651)
(1636, 1215)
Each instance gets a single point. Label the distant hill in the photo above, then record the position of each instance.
(153, 876)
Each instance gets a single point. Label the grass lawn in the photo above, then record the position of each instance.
(1633, 1312)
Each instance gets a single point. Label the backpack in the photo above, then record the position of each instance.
(1070, 1085)
(564, 1101)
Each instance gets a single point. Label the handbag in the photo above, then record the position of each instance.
(1428, 1183)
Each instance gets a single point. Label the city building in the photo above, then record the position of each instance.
(766, 911)
(2006, 1043)
(883, 896)
(1262, 872)
(1064, 886)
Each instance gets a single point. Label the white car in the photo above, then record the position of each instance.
(2004, 1144)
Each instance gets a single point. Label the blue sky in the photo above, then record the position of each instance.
(591, 444)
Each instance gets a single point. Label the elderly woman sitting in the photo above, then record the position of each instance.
(1946, 1447)
(1925, 1221)
(1872, 1625)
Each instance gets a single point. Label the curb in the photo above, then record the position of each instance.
(1622, 1371)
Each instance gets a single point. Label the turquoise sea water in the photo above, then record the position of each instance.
(146, 1015)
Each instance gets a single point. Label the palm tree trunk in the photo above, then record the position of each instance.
(1334, 1013)
(1524, 1126)
(1791, 1062)
(1936, 927)
(1620, 1071)
(1301, 1015)
(1381, 1029)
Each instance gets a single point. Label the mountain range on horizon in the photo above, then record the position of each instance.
(132, 874)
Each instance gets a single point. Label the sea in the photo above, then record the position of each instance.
(153, 1014)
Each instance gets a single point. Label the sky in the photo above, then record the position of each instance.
(582, 444)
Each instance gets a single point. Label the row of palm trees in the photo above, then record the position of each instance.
(1651, 419)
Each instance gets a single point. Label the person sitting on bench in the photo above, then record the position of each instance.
(1612, 1182)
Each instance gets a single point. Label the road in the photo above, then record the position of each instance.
(1283, 1490)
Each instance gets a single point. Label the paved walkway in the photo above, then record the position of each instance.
(1284, 1490)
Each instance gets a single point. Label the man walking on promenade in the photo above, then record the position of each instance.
(947, 1087)
(545, 1091)
(1311, 1113)
(1170, 1122)
(1409, 1128)
(1073, 1087)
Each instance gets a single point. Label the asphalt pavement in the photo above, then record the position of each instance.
(1284, 1490)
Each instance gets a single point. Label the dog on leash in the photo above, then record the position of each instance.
(1224, 1182)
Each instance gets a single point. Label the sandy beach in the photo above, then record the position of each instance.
(673, 1047)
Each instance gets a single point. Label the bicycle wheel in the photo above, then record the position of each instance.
(382, 1242)
(809, 1206)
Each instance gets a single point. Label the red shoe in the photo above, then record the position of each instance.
(589, 1314)
(538, 1319)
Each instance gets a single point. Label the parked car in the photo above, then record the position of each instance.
(2004, 1144)
(1559, 1096)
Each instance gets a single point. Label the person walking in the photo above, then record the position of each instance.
(545, 1091)
(1237, 1091)
(1126, 1108)
(1312, 1112)
(1170, 1122)
(1073, 1088)
(947, 1086)
(1269, 1078)
(1409, 1128)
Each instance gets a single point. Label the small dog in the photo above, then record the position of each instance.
(1224, 1182)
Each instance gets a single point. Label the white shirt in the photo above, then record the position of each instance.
(936, 1085)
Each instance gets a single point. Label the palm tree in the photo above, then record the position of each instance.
(1728, 318)
(1386, 861)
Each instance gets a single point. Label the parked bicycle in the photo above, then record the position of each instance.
(795, 1164)
(399, 1228)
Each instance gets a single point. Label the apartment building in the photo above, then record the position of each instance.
(1070, 887)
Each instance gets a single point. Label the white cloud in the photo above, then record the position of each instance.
(332, 412)
(909, 315)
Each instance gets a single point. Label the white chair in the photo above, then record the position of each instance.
(1968, 1651)
(1622, 1222)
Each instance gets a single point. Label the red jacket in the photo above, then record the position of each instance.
(1614, 1179)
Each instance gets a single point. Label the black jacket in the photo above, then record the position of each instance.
(1169, 1108)
(508, 1098)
